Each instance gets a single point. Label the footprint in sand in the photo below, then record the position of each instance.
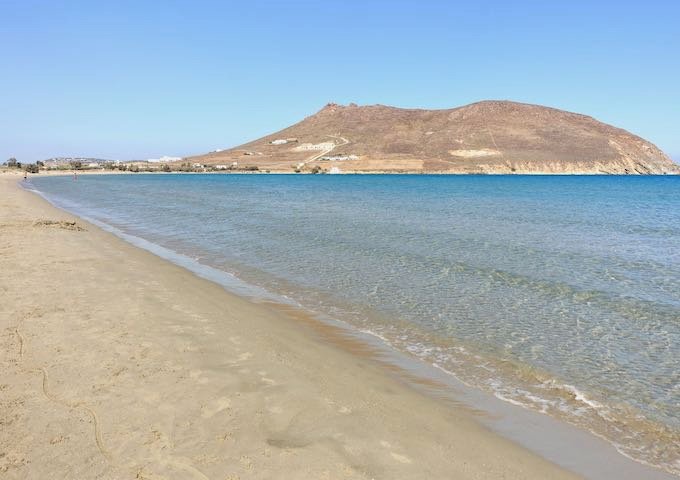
(188, 347)
(58, 439)
(240, 359)
(197, 375)
(222, 403)
(244, 356)
(341, 409)
(265, 379)
(247, 462)
(400, 458)
(275, 410)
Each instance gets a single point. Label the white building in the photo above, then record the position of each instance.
(164, 159)
(339, 157)
(303, 147)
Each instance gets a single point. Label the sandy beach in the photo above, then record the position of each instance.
(118, 364)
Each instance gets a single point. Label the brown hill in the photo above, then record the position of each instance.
(484, 137)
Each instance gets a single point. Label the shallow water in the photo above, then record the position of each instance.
(561, 294)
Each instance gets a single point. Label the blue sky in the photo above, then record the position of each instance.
(135, 79)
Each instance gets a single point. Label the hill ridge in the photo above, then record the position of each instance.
(488, 136)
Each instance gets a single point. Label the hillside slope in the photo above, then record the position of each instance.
(484, 137)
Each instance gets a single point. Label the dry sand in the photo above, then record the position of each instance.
(117, 364)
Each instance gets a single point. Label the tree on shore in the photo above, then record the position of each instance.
(12, 163)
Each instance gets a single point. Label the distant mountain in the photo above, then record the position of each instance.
(484, 137)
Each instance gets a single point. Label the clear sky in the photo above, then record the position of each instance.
(140, 79)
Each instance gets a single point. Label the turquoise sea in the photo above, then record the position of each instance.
(558, 293)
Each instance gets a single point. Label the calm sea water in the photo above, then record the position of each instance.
(561, 294)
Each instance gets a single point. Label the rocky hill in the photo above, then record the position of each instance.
(484, 137)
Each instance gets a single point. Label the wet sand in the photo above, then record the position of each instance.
(119, 364)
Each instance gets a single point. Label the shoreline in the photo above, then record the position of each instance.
(377, 172)
(352, 433)
(549, 435)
